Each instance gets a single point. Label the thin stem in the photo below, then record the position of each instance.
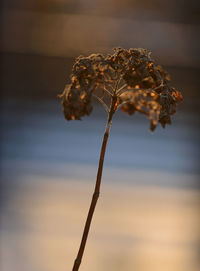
(102, 102)
(121, 88)
(116, 86)
(109, 93)
(96, 193)
(113, 89)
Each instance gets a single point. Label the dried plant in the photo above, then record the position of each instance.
(127, 79)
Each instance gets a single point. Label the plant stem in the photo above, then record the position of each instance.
(96, 193)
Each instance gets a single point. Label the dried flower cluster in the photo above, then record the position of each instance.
(129, 76)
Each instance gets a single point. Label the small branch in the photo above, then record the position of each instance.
(122, 104)
(121, 88)
(113, 89)
(102, 102)
(116, 86)
(109, 93)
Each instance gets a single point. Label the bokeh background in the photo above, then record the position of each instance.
(147, 217)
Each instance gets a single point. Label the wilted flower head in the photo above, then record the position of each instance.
(130, 77)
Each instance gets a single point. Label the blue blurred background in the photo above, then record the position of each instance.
(147, 217)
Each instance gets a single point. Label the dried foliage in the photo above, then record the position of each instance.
(130, 77)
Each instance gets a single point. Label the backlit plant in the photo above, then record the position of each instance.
(128, 80)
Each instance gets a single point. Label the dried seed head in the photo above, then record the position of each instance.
(130, 75)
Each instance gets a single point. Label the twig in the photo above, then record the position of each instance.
(102, 102)
(121, 88)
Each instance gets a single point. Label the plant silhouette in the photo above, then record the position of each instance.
(128, 80)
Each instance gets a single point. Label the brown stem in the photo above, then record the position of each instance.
(95, 197)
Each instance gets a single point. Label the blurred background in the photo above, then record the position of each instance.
(147, 217)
